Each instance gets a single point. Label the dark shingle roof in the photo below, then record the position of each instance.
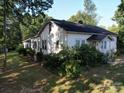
(97, 37)
(76, 27)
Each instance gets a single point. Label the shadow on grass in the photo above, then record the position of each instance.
(103, 79)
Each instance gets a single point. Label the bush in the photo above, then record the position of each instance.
(1, 49)
(40, 56)
(90, 56)
(72, 68)
(30, 52)
(52, 61)
(69, 60)
(21, 50)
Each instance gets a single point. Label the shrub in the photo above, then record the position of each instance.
(90, 56)
(40, 56)
(52, 61)
(30, 52)
(21, 50)
(1, 49)
(72, 68)
(69, 60)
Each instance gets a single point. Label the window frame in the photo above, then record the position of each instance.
(44, 44)
(57, 44)
(105, 44)
(83, 42)
(77, 42)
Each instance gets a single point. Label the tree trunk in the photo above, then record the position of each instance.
(4, 33)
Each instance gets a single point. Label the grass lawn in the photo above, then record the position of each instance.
(24, 76)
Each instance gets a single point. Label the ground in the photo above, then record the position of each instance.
(25, 76)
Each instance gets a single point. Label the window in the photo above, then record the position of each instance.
(77, 42)
(26, 46)
(38, 45)
(44, 44)
(57, 44)
(34, 45)
(102, 45)
(105, 44)
(50, 27)
(83, 42)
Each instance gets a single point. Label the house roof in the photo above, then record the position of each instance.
(76, 27)
(96, 37)
(27, 40)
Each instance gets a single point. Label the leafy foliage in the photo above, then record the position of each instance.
(52, 61)
(89, 56)
(119, 18)
(30, 52)
(69, 60)
(25, 51)
(72, 68)
(88, 16)
(22, 22)
(17, 9)
(114, 28)
(31, 25)
(39, 57)
(21, 50)
(32, 7)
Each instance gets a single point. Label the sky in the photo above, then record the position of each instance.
(63, 9)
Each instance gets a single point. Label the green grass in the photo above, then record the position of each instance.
(28, 77)
(14, 61)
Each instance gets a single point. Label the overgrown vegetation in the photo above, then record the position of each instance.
(88, 15)
(25, 51)
(69, 61)
(24, 76)
(24, 18)
(119, 18)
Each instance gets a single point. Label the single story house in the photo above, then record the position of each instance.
(57, 33)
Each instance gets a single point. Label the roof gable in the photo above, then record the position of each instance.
(76, 27)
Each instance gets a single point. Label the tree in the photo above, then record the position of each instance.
(119, 14)
(30, 27)
(102, 26)
(32, 7)
(18, 8)
(90, 8)
(13, 34)
(88, 16)
(119, 18)
(114, 28)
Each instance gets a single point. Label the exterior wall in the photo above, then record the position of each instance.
(71, 38)
(56, 34)
(52, 37)
(26, 44)
(35, 44)
(45, 36)
(114, 43)
(37, 40)
(111, 45)
(67, 38)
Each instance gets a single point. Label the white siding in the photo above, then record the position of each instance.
(26, 44)
(44, 36)
(71, 38)
(111, 45)
(55, 34)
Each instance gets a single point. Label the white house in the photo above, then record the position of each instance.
(57, 33)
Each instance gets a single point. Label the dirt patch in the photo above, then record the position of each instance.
(119, 60)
